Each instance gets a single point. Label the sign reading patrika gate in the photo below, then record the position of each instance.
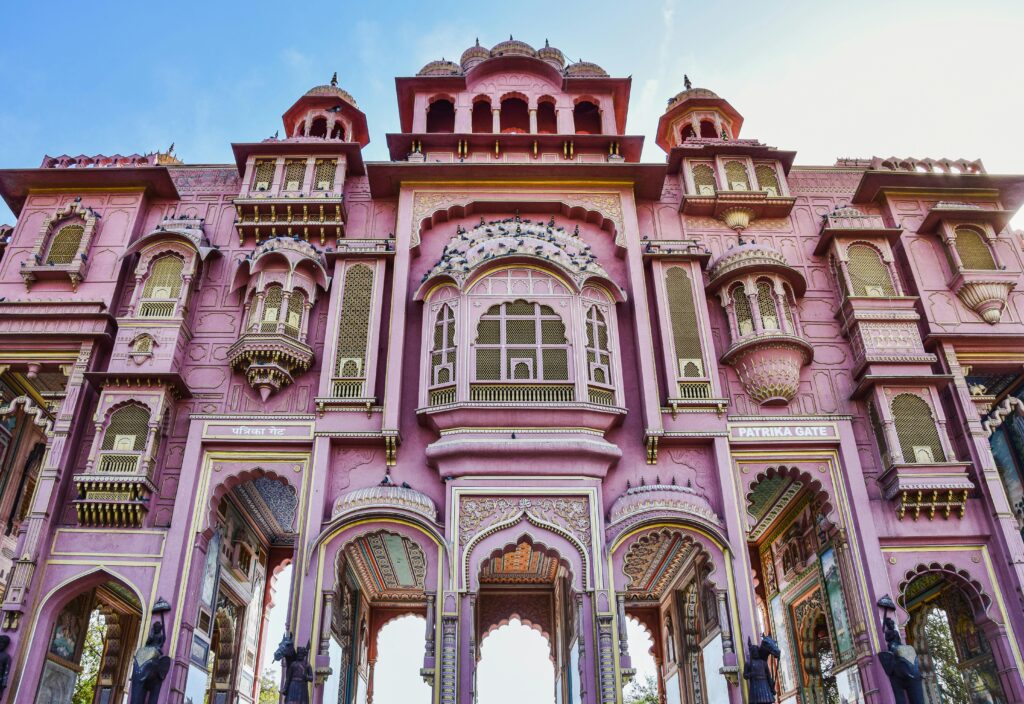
(802, 431)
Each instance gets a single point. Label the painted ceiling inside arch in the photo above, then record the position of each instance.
(516, 237)
(271, 506)
(769, 498)
(390, 567)
(653, 562)
(522, 565)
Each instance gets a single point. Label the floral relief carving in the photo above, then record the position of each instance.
(570, 513)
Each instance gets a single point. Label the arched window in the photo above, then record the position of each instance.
(521, 341)
(127, 429)
(685, 328)
(973, 250)
(916, 430)
(599, 359)
(703, 179)
(273, 296)
(338, 132)
(319, 128)
(296, 308)
(707, 130)
(162, 288)
(354, 327)
(294, 174)
(483, 121)
(766, 307)
(64, 245)
(741, 304)
(869, 275)
(442, 354)
(687, 133)
(441, 116)
(515, 116)
(586, 118)
(767, 180)
(736, 176)
(547, 118)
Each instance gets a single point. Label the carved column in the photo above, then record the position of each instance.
(429, 640)
(496, 120)
(620, 603)
(722, 598)
(449, 659)
(606, 658)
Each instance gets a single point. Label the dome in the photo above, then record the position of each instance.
(585, 69)
(753, 257)
(385, 497)
(513, 47)
(473, 55)
(440, 68)
(690, 94)
(661, 499)
(552, 55)
(331, 90)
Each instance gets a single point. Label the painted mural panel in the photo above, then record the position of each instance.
(834, 589)
(780, 630)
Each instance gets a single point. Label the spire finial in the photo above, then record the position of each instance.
(510, 37)
(546, 45)
(478, 41)
(334, 79)
(686, 82)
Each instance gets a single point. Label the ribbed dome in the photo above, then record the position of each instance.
(385, 497)
(474, 55)
(552, 55)
(660, 498)
(513, 47)
(440, 68)
(689, 94)
(332, 90)
(585, 69)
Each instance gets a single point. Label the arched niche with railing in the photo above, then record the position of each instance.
(280, 281)
(62, 245)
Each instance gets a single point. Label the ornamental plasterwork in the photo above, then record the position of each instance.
(652, 561)
(571, 513)
(424, 204)
(390, 567)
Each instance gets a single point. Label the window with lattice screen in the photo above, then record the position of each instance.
(767, 180)
(294, 174)
(703, 179)
(127, 429)
(64, 245)
(164, 280)
(973, 249)
(521, 341)
(323, 177)
(263, 174)
(736, 176)
(766, 306)
(879, 431)
(354, 326)
(916, 429)
(869, 275)
(143, 345)
(442, 353)
(293, 317)
(741, 306)
(273, 297)
(682, 315)
(599, 358)
(787, 310)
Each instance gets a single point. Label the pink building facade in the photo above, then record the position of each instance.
(513, 372)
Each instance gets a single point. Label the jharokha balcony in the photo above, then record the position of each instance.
(759, 290)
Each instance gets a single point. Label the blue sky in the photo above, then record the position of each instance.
(893, 77)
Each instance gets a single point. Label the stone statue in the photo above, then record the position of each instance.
(5, 663)
(900, 665)
(760, 684)
(298, 675)
(149, 668)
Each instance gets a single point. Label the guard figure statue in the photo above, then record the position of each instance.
(149, 668)
(296, 672)
(900, 665)
(5, 664)
(760, 684)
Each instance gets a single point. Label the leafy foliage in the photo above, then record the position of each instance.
(91, 660)
(268, 687)
(940, 645)
(645, 692)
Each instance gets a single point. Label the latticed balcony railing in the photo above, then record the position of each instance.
(120, 462)
(694, 390)
(347, 387)
(156, 309)
(442, 396)
(522, 393)
(601, 396)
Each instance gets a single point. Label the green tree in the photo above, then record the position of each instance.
(645, 692)
(946, 667)
(92, 656)
(269, 693)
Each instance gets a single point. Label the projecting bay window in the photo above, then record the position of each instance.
(733, 174)
(443, 357)
(125, 440)
(275, 311)
(865, 270)
(351, 357)
(162, 288)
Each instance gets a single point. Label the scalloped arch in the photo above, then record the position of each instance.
(969, 586)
